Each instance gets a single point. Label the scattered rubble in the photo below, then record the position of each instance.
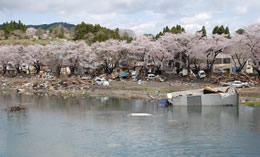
(220, 80)
(127, 88)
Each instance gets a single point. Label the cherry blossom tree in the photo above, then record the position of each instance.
(5, 57)
(170, 46)
(56, 57)
(182, 48)
(30, 32)
(37, 55)
(71, 57)
(12, 56)
(252, 43)
(187, 43)
(77, 54)
(109, 53)
(158, 55)
(17, 57)
(239, 52)
(211, 47)
(141, 51)
(88, 61)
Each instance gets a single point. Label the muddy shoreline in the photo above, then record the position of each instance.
(147, 90)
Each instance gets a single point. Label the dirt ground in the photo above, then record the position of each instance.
(122, 89)
(158, 90)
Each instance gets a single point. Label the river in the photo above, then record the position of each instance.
(54, 126)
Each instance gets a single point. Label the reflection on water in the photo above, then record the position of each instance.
(53, 126)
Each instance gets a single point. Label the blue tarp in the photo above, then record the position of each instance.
(124, 75)
(163, 102)
(234, 69)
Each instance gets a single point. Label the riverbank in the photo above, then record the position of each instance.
(146, 90)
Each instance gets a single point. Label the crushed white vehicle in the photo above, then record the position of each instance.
(201, 74)
(237, 84)
(227, 96)
(101, 81)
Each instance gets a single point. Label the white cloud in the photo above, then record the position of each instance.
(193, 27)
(241, 9)
(201, 17)
(145, 26)
(144, 16)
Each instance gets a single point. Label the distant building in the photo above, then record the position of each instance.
(227, 63)
(224, 62)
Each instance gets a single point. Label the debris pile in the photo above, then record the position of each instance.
(16, 108)
(253, 80)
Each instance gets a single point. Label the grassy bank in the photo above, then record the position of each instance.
(252, 104)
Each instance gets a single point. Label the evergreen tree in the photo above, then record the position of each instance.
(215, 30)
(175, 30)
(10, 27)
(6, 29)
(100, 33)
(240, 31)
(227, 31)
(221, 30)
(203, 31)
(51, 30)
(166, 29)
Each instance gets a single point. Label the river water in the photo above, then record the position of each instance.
(54, 126)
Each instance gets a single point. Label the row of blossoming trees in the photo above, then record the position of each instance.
(195, 48)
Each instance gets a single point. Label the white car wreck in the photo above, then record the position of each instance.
(237, 84)
(101, 81)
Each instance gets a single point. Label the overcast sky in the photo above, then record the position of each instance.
(142, 16)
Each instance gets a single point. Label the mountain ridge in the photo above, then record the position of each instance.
(53, 25)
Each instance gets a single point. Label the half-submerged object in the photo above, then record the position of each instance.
(227, 96)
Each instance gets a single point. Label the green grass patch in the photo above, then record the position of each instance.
(170, 91)
(3, 90)
(252, 104)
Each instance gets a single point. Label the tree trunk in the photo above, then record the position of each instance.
(158, 71)
(241, 64)
(58, 69)
(37, 67)
(180, 59)
(258, 71)
(142, 72)
(17, 68)
(197, 66)
(4, 69)
(188, 67)
(210, 68)
(72, 70)
(29, 71)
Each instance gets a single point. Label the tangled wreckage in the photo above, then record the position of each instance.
(227, 96)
